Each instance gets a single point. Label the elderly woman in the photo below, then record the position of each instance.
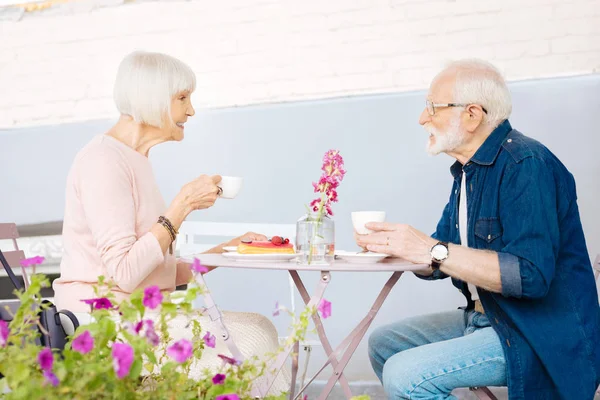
(116, 222)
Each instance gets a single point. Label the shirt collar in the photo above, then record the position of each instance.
(488, 151)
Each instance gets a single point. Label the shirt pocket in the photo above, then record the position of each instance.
(488, 232)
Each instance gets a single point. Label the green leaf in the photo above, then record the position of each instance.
(136, 369)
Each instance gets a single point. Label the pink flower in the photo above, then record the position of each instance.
(99, 304)
(180, 351)
(122, 355)
(83, 343)
(210, 340)
(305, 397)
(152, 297)
(4, 332)
(325, 308)
(228, 360)
(276, 311)
(218, 379)
(46, 359)
(28, 262)
(231, 396)
(147, 326)
(197, 267)
(51, 378)
(332, 195)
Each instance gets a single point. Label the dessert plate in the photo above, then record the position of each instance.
(360, 258)
(269, 257)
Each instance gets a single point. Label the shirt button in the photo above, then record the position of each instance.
(455, 191)
(489, 237)
(509, 141)
(456, 226)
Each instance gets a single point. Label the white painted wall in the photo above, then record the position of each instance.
(58, 67)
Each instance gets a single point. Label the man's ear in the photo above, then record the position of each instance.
(473, 117)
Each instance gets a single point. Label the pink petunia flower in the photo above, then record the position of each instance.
(210, 340)
(122, 355)
(46, 359)
(325, 308)
(180, 351)
(83, 343)
(152, 297)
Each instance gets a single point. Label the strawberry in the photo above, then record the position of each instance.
(277, 240)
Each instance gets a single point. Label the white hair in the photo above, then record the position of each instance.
(146, 83)
(479, 82)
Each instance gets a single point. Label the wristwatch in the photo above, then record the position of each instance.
(439, 253)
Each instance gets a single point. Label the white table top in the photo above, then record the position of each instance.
(387, 265)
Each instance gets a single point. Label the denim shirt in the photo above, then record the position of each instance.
(523, 206)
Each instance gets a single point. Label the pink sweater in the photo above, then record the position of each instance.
(112, 202)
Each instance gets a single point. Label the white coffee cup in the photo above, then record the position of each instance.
(230, 186)
(360, 218)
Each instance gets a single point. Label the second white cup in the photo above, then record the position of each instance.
(360, 218)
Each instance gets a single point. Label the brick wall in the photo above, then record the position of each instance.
(59, 67)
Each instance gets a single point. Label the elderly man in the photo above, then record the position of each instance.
(511, 239)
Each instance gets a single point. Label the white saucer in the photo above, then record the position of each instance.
(273, 257)
(360, 258)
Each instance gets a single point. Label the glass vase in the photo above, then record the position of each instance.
(315, 239)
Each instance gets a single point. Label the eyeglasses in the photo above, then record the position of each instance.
(432, 106)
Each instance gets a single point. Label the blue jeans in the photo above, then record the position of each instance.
(426, 357)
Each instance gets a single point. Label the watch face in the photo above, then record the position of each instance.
(439, 252)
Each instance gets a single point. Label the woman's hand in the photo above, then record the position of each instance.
(398, 240)
(200, 193)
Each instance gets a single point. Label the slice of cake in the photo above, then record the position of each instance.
(277, 245)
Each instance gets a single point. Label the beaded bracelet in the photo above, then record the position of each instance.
(164, 221)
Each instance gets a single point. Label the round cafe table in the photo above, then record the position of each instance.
(338, 357)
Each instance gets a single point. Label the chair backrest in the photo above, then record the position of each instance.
(9, 232)
(214, 233)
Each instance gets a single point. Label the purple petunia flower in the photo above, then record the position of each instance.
(83, 343)
(218, 379)
(101, 303)
(122, 354)
(210, 340)
(46, 359)
(180, 351)
(231, 396)
(197, 267)
(4, 332)
(146, 328)
(51, 378)
(325, 308)
(152, 297)
(228, 360)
